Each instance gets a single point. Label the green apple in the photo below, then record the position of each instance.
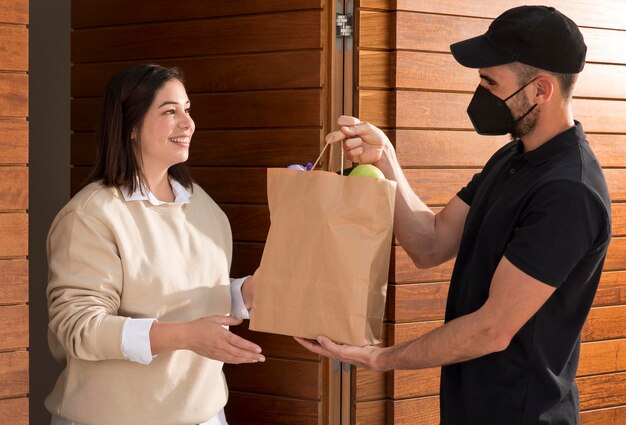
(367, 170)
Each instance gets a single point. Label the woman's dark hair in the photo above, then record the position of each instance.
(127, 98)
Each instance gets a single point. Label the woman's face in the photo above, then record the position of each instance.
(166, 129)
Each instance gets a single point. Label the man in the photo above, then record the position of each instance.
(530, 234)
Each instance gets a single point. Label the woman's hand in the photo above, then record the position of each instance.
(364, 142)
(206, 337)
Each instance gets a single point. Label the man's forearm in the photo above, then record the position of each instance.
(462, 339)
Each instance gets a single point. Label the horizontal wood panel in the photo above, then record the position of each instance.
(377, 69)
(602, 357)
(217, 73)
(14, 411)
(13, 374)
(233, 185)
(612, 289)
(376, 30)
(14, 11)
(13, 142)
(610, 416)
(403, 270)
(13, 235)
(249, 409)
(286, 378)
(13, 188)
(435, 33)
(584, 12)
(13, 327)
(14, 48)
(246, 258)
(260, 33)
(602, 391)
(402, 332)
(276, 346)
(370, 412)
(414, 383)
(616, 255)
(422, 411)
(368, 384)
(291, 108)
(248, 222)
(13, 281)
(89, 13)
(425, 301)
(605, 323)
(448, 111)
(437, 71)
(269, 148)
(377, 107)
(13, 95)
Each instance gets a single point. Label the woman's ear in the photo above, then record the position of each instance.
(544, 88)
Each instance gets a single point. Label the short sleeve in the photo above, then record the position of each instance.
(467, 193)
(562, 223)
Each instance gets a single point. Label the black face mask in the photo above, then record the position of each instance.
(490, 115)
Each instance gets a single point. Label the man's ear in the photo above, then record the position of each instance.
(545, 87)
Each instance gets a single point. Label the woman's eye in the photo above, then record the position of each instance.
(187, 110)
(170, 111)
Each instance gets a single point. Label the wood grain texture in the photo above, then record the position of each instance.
(423, 411)
(435, 110)
(601, 391)
(602, 357)
(13, 48)
(370, 412)
(290, 108)
(377, 107)
(13, 374)
(411, 303)
(616, 255)
(13, 235)
(583, 12)
(609, 416)
(605, 323)
(13, 95)
(435, 33)
(14, 411)
(242, 34)
(248, 222)
(404, 384)
(368, 384)
(376, 30)
(88, 13)
(13, 281)
(13, 327)
(13, 188)
(298, 379)
(264, 147)
(250, 409)
(14, 11)
(13, 142)
(612, 289)
(275, 346)
(265, 71)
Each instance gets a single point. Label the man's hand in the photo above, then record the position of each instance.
(364, 143)
(367, 356)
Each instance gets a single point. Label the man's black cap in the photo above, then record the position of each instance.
(539, 36)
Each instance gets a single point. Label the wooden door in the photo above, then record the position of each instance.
(259, 77)
(409, 84)
(13, 212)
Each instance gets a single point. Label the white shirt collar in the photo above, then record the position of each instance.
(181, 194)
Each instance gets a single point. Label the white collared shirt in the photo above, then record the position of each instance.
(136, 332)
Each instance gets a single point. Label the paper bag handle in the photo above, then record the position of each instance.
(322, 153)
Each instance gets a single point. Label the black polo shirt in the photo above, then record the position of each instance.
(548, 212)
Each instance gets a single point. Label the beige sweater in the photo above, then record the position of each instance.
(110, 260)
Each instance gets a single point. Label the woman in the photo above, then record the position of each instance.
(139, 290)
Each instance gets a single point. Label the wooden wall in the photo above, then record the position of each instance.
(14, 212)
(256, 77)
(409, 84)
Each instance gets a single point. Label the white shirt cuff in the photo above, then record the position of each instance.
(237, 306)
(136, 340)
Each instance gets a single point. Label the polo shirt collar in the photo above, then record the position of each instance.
(553, 147)
(181, 194)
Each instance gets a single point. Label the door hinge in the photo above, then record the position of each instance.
(344, 26)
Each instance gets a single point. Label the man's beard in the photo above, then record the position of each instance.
(526, 124)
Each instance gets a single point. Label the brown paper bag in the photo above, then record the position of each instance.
(326, 261)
